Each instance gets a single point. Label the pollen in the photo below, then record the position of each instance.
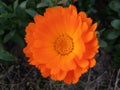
(63, 44)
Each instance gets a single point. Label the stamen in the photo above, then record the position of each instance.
(63, 44)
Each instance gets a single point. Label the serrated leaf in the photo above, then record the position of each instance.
(116, 24)
(6, 56)
(115, 5)
(23, 5)
(113, 35)
(102, 43)
(31, 12)
(8, 36)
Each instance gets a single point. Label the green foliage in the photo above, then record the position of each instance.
(116, 24)
(111, 35)
(6, 56)
(115, 5)
(15, 15)
(87, 6)
(102, 43)
(108, 17)
(31, 12)
(12, 26)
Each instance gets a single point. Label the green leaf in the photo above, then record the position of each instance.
(42, 4)
(1, 32)
(31, 12)
(2, 4)
(3, 15)
(6, 15)
(6, 56)
(92, 10)
(15, 4)
(115, 5)
(23, 5)
(116, 24)
(113, 35)
(46, 3)
(8, 36)
(66, 2)
(100, 32)
(117, 47)
(1, 44)
(18, 40)
(102, 43)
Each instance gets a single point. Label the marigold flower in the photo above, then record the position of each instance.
(61, 43)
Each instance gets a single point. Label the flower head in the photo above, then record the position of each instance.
(62, 43)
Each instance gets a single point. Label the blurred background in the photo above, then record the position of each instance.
(17, 74)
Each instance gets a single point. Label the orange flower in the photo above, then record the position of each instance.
(62, 44)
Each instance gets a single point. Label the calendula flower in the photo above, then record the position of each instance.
(62, 43)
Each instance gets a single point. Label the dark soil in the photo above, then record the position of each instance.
(19, 75)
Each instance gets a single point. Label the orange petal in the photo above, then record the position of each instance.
(66, 65)
(59, 76)
(69, 77)
(91, 48)
(77, 72)
(75, 80)
(38, 19)
(84, 70)
(82, 63)
(84, 27)
(93, 27)
(92, 62)
(88, 37)
(82, 15)
(89, 21)
(45, 72)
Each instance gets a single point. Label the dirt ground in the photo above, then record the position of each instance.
(19, 75)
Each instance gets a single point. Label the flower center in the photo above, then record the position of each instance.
(63, 44)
